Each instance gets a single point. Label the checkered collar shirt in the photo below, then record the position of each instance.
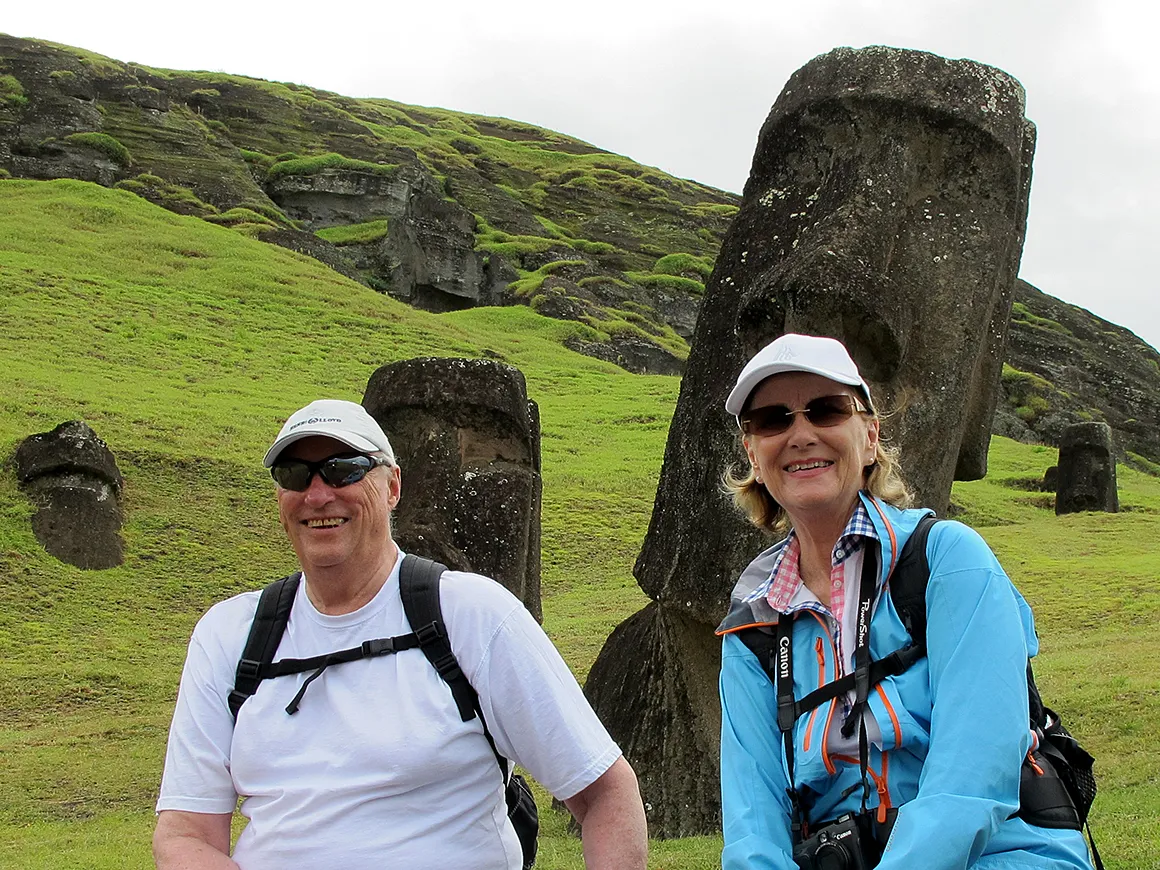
(784, 589)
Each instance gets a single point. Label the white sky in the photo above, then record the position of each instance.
(685, 86)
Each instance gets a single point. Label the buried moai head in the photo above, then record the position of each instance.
(886, 207)
(1086, 479)
(468, 442)
(72, 478)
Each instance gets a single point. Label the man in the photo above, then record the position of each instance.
(376, 768)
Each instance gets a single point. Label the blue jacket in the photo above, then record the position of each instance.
(954, 727)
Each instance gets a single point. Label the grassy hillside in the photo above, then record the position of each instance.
(512, 214)
(184, 345)
(558, 222)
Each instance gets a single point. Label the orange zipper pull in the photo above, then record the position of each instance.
(1034, 765)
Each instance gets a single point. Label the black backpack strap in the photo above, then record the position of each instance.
(419, 589)
(265, 634)
(908, 583)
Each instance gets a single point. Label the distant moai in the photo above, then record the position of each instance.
(467, 439)
(72, 477)
(1050, 481)
(886, 207)
(1086, 480)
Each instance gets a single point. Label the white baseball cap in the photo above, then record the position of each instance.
(791, 352)
(347, 422)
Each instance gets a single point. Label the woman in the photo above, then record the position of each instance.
(927, 761)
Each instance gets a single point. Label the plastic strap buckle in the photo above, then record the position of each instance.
(428, 633)
(448, 666)
(248, 669)
(786, 713)
(378, 647)
(862, 682)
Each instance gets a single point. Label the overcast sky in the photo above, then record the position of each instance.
(685, 86)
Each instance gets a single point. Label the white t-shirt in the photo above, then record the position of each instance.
(376, 769)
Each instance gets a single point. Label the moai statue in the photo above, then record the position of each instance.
(1087, 470)
(468, 442)
(886, 207)
(72, 477)
(1050, 481)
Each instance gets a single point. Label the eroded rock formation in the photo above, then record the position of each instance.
(468, 442)
(72, 477)
(886, 206)
(1086, 476)
(426, 258)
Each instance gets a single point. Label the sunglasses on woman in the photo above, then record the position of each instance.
(336, 471)
(824, 412)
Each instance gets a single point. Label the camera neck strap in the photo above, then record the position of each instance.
(865, 675)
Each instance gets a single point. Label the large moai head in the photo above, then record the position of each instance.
(468, 442)
(72, 477)
(886, 207)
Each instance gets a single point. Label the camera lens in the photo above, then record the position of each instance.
(832, 856)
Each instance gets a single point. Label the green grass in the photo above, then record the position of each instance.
(354, 234)
(1021, 313)
(669, 282)
(315, 165)
(102, 143)
(184, 345)
(681, 264)
(12, 91)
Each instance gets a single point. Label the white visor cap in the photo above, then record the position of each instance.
(347, 422)
(791, 352)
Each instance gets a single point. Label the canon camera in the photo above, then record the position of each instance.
(840, 845)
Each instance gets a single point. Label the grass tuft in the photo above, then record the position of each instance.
(102, 143)
(324, 162)
(354, 234)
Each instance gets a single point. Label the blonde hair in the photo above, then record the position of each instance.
(883, 480)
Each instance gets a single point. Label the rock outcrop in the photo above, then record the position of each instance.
(1065, 366)
(72, 477)
(886, 207)
(468, 443)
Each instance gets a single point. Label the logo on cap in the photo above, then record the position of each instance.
(314, 421)
(785, 352)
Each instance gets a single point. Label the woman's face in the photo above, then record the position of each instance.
(813, 472)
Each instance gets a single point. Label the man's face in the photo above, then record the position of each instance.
(331, 527)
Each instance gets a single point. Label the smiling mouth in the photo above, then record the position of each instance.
(325, 523)
(806, 466)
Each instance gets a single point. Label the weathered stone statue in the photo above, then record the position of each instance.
(886, 207)
(72, 477)
(1086, 480)
(468, 441)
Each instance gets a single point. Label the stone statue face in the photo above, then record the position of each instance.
(899, 233)
(872, 220)
(469, 439)
(72, 478)
(885, 207)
